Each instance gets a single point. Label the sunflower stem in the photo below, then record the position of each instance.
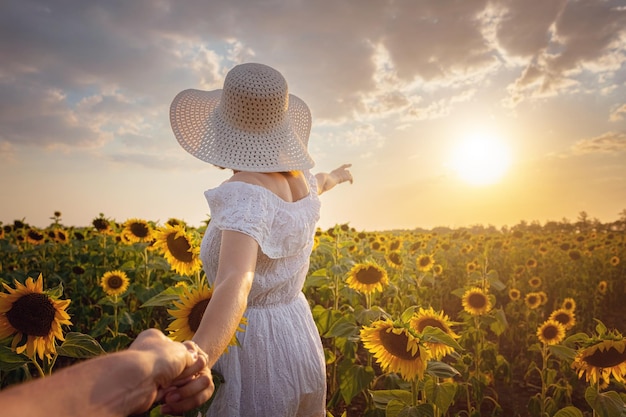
(51, 363)
(146, 270)
(42, 374)
(479, 346)
(414, 392)
(115, 316)
(544, 366)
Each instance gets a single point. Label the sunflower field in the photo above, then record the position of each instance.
(522, 321)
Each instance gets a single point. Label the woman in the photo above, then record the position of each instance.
(256, 249)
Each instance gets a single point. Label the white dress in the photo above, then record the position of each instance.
(279, 369)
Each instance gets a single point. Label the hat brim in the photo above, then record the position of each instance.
(199, 128)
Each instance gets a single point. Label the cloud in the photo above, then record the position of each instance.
(583, 38)
(618, 114)
(610, 142)
(83, 74)
(39, 115)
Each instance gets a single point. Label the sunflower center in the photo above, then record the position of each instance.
(195, 316)
(140, 230)
(395, 258)
(32, 314)
(550, 332)
(35, 235)
(424, 261)
(429, 321)
(396, 345)
(114, 282)
(100, 224)
(606, 359)
(562, 318)
(369, 275)
(477, 300)
(179, 248)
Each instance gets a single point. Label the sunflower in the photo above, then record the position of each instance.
(476, 301)
(394, 259)
(61, 236)
(514, 294)
(425, 262)
(532, 300)
(188, 314)
(551, 332)
(102, 225)
(565, 317)
(395, 349)
(471, 267)
(614, 261)
(601, 360)
(34, 237)
(437, 269)
(178, 248)
(602, 287)
(531, 263)
(137, 230)
(316, 242)
(395, 244)
(569, 304)
(114, 282)
(26, 312)
(430, 317)
(367, 278)
(375, 245)
(534, 282)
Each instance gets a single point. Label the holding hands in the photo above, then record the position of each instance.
(153, 368)
(181, 378)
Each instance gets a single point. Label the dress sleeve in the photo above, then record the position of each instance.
(250, 209)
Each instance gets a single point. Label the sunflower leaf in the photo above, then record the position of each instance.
(9, 360)
(79, 345)
(562, 352)
(605, 404)
(164, 298)
(382, 397)
(576, 338)
(440, 394)
(400, 410)
(435, 334)
(55, 292)
(353, 379)
(441, 369)
(343, 327)
(407, 314)
(569, 411)
(494, 281)
(317, 280)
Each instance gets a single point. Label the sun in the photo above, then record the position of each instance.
(481, 159)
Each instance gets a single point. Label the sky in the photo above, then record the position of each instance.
(452, 113)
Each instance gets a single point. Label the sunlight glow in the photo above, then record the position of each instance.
(481, 159)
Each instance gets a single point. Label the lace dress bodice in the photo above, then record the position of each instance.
(278, 369)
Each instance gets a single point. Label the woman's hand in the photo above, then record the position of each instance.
(177, 372)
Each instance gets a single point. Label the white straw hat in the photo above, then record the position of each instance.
(252, 124)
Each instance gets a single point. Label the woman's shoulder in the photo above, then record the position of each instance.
(289, 187)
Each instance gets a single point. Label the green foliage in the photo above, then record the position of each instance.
(495, 350)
